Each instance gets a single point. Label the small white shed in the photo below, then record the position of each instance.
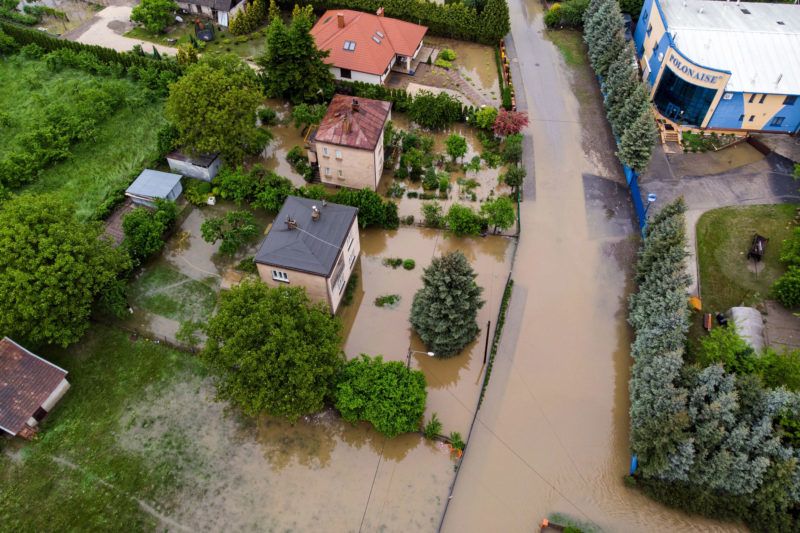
(203, 167)
(152, 185)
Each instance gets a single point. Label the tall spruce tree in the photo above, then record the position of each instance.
(495, 22)
(636, 144)
(292, 65)
(445, 309)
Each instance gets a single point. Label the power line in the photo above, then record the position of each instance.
(377, 467)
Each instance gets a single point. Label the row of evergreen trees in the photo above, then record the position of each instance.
(627, 100)
(250, 17)
(707, 440)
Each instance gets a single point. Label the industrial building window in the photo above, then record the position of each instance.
(752, 118)
(789, 100)
(752, 97)
(763, 97)
(279, 275)
(644, 14)
(727, 96)
(777, 121)
(741, 118)
(649, 29)
(655, 47)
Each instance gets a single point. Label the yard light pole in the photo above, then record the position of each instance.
(410, 351)
(651, 199)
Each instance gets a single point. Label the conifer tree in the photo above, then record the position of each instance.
(445, 309)
(636, 144)
(495, 22)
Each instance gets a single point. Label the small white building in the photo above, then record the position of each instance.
(29, 388)
(152, 185)
(203, 167)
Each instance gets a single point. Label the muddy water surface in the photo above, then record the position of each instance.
(321, 474)
(475, 62)
(454, 383)
(553, 432)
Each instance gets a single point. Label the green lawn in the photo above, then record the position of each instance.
(75, 476)
(166, 292)
(122, 146)
(570, 44)
(245, 46)
(723, 239)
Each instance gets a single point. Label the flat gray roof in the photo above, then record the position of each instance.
(313, 245)
(759, 43)
(154, 184)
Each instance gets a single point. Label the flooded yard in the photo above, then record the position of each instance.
(265, 474)
(453, 384)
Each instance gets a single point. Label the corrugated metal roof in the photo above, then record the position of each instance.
(26, 381)
(153, 184)
(313, 245)
(746, 39)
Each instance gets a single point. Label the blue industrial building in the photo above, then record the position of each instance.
(730, 66)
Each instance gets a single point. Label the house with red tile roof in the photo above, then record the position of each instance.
(347, 146)
(365, 47)
(29, 388)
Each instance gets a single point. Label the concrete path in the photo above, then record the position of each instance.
(107, 27)
(767, 181)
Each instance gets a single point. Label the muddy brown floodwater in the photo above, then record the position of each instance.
(552, 435)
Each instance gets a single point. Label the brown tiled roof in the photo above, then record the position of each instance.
(26, 381)
(372, 53)
(344, 126)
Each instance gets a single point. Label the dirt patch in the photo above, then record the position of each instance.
(239, 474)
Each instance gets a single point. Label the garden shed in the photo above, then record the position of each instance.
(29, 388)
(203, 167)
(152, 185)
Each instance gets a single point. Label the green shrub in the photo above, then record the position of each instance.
(144, 229)
(433, 428)
(456, 441)
(443, 64)
(409, 264)
(197, 191)
(239, 185)
(387, 300)
(393, 262)
(433, 214)
(267, 116)
(462, 220)
(787, 288)
(447, 54)
(572, 12)
(435, 111)
(408, 220)
(553, 16)
(248, 264)
(431, 180)
(724, 345)
(233, 229)
(373, 211)
(388, 395)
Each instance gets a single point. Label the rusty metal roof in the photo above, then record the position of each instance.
(26, 381)
(346, 126)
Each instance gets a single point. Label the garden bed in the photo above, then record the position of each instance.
(245, 46)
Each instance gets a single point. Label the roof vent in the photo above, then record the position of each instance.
(745, 11)
(700, 11)
(314, 212)
(780, 77)
(340, 20)
(290, 222)
(781, 22)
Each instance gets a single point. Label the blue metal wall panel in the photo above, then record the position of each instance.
(728, 112)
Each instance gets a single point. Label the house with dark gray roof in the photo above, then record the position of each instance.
(312, 244)
(29, 388)
(220, 11)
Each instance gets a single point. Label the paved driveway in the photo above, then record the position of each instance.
(768, 181)
(107, 27)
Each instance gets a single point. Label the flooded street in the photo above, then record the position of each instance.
(552, 435)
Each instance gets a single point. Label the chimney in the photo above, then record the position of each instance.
(340, 19)
(314, 213)
(379, 12)
(354, 105)
(290, 222)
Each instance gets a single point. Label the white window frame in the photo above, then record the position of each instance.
(280, 275)
(327, 171)
(352, 259)
(339, 173)
(339, 155)
(350, 242)
(325, 151)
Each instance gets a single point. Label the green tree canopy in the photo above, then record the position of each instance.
(213, 106)
(292, 65)
(499, 212)
(52, 266)
(144, 229)
(444, 312)
(234, 229)
(155, 15)
(386, 394)
(636, 144)
(273, 351)
(456, 146)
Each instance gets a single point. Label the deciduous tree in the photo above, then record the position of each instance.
(52, 266)
(272, 350)
(155, 15)
(233, 229)
(499, 213)
(456, 146)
